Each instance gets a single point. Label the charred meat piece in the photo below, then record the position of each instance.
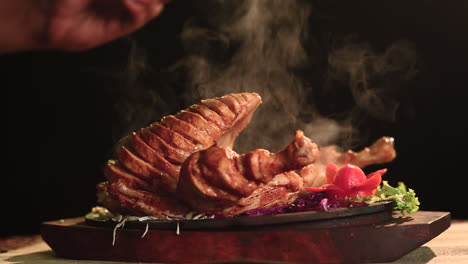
(146, 168)
(283, 189)
(381, 151)
(219, 178)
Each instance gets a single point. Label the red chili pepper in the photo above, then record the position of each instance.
(349, 181)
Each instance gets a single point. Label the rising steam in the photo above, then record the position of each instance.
(258, 46)
(266, 36)
(374, 79)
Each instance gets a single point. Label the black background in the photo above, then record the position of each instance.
(66, 110)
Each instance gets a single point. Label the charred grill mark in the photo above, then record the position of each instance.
(151, 156)
(233, 103)
(127, 202)
(200, 121)
(221, 108)
(136, 165)
(114, 172)
(209, 115)
(173, 138)
(187, 130)
(142, 168)
(174, 155)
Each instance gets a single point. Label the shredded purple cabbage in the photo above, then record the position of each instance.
(313, 201)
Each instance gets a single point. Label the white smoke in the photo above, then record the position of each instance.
(374, 79)
(258, 46)
(267, 38)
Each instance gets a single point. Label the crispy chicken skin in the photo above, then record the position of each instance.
(219, 178)
(145, 170)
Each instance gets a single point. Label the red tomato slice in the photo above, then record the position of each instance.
(349, 176)
(368, 187)
(349, 181)
(335, 191)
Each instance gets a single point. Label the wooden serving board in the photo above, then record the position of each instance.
(377, 237)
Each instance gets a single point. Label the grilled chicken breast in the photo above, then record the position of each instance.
(145, 171)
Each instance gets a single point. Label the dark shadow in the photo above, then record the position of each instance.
(48, 257)
(417, 256)
(398, 220)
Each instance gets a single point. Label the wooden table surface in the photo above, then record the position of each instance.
(449, 247)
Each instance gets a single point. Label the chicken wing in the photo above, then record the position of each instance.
(218, 178)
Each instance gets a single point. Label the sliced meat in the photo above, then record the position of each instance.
(113, 172)
(187, 130)
(209, 115)
(221, 108)
(172, 154)
(143, 169)
(109, 201)
(154, 158)
(201, 123)
(234, 103)
(173, 138)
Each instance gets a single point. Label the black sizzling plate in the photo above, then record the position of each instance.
(253, 221)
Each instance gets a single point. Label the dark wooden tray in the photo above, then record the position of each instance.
(373, 237)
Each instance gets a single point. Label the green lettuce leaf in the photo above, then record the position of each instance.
(405, 199)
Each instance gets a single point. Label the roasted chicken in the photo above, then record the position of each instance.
(218, 178)
(185, 163)
(145, 173)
